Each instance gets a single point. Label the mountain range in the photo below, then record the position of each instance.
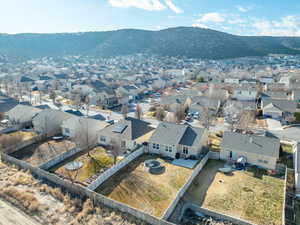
(180, 41)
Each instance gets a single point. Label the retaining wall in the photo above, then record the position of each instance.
(83, 192)
(120, 165)
(183, 189)
(59, 159)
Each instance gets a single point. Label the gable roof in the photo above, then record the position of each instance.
(173, 134)
(7, 103)
(260, 145)
(283, 105)
(131, 129)
(22, 113)
(275, 94)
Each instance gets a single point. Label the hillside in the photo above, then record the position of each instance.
(180, 41)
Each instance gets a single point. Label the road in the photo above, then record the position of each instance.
(10, 215)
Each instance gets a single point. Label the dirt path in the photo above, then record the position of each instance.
(10, 215)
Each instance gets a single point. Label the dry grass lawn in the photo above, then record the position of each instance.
(43, 152)
(24, 136)
(136, 187)
(241, 194)
(95, 162)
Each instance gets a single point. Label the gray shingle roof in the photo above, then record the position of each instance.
(261, 145)
(134, 128)
(283, 105)
(173, 134)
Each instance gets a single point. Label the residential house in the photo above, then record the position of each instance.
(83, 127)
(245, 94)
(282, 110)
(178, 141)
(48, 122)
(280, 95)
(261, 151)
(129, 90)
(231, 81)
(266, 80)
(21, 115)
(125, 133)
(107, 98)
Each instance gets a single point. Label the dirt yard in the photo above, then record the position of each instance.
(136, 187)
(36, 203)
(240, 194)
(43, 152)
(94, 163)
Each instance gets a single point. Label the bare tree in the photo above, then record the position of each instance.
(116, 148)
(180, 112)
(246, 119)
(160, 114)
(138, 112)
(170, 117)
(83, 137)
(124, 110)
(206, 117)
(52, 96)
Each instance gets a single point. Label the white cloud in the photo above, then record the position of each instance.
(199, 25)
(244, 9)
(150, 5)
(173, 7)
(214, 17)
(286, 26)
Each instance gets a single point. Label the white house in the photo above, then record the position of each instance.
(231, 81)
(76, 126)
(245, 94)
(178, 141)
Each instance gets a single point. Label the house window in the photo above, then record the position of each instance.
(185, 150)
(168, 148)
(102, 139)
(156, 146)
(67, 131)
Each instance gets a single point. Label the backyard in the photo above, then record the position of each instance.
(240, 194)
(93, 163)
(39, 153)
(136, 187)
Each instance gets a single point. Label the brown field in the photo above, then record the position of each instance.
(136, 187)
(94, 163)
(258, 200)
(43, 152)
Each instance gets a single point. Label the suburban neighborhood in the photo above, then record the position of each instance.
(172, 140)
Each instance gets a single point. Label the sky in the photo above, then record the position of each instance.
(240, 17)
